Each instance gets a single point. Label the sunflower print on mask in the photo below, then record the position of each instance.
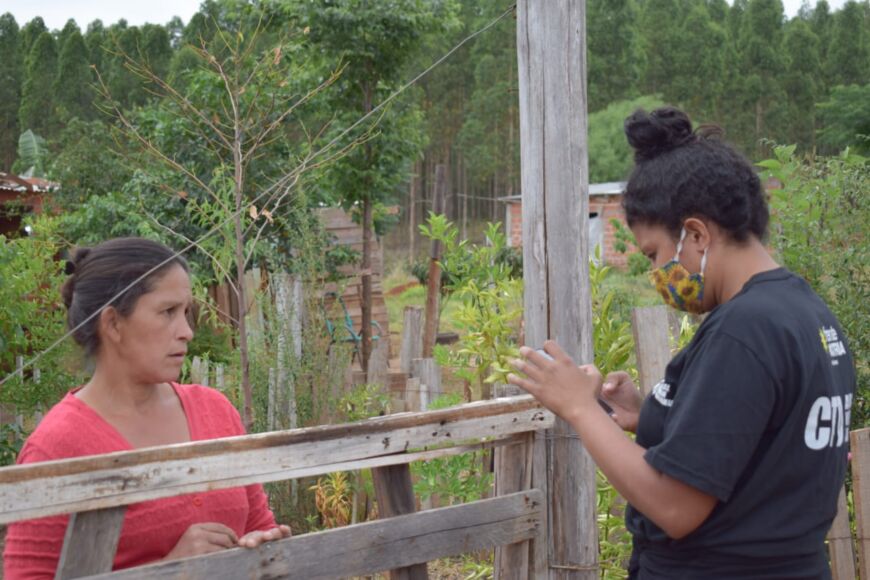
(679, 288)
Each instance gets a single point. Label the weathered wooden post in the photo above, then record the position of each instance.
(551, 51)
(433, 293)
(860, 446)
(412, 337)
(652, 343)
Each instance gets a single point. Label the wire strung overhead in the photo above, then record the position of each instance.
(270, 191)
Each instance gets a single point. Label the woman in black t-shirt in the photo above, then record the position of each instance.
(741, 449)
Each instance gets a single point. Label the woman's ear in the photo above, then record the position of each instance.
(698, 234)
(109, 325)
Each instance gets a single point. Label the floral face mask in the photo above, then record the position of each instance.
(679, 288)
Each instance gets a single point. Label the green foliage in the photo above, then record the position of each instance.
(802, 81)
(638, 264)
(11, 440)
(375, 45)
(699, 72)
(364, 402)
(610, 157)
(489, 136)
(72, 86)
(491, 299)
(87, 164)
(819, 224)
(32, 153)
(31, 318)
(848, 59)
(614, 541)
(30, 32)
(11, 70)
(456, 479)
(613, 45)
(37, 95)
(845, 119)
(612, 340)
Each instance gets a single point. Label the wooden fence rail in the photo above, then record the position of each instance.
(97, 489)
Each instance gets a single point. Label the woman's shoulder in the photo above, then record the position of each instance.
(66, 431)
(202, 394)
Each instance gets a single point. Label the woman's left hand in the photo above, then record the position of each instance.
(558, 384)
(257, 537)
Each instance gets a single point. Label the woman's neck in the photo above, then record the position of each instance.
(115, 392)
(742, 263)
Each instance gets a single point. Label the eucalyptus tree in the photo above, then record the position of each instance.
(11, 68)
(376, 43)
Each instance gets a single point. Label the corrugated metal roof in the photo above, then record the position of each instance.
(608, 188)
(18, 184)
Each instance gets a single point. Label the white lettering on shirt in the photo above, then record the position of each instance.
(660, 392)
(828, 422)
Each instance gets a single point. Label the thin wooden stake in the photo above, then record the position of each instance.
(433, 291)
(270, 411)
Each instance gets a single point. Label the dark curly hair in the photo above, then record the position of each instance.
(681, 173)
(97, 275)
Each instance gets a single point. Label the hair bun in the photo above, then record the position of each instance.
(80, 255)
(72, 265)
(651, 134)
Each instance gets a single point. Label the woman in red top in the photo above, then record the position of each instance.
(138, 344)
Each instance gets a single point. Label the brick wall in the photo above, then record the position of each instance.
(606, 206)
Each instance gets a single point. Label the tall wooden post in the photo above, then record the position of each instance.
(433, 292)
(551, 50)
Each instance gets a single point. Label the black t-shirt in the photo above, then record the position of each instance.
(755, 412)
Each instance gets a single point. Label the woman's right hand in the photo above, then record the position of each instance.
(623, 397)
(202, 539)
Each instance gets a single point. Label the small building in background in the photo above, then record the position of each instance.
(20, 196)
(605, 204)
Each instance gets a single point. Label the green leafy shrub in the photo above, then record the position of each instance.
(819, 231)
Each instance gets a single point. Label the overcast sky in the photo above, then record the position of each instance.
(57, 12)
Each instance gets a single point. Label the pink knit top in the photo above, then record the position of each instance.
(152, 528)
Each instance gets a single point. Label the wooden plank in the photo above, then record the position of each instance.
(513, 473)
(412, 337)
(539, 552)
(90, 542)
(551, 54)
(429, 373)
(379, 363)
(127, 477)
(365, 548)
(412, 394)
(395, 496)
(860, 446)
(840, 545)
(652, 344)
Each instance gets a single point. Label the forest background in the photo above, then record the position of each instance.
(764, 77)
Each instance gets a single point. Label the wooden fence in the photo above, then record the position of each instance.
(96, 490)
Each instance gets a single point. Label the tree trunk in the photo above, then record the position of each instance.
(248, 403)
(367, 225)
(412, 213)
(366, 347)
